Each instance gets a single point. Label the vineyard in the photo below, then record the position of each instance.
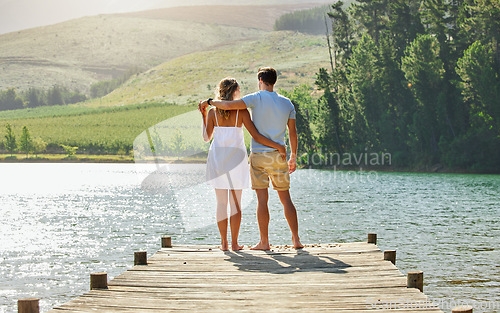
(97, 131)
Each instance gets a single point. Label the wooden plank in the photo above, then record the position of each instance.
(343, 277)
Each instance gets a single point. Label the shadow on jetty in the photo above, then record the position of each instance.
(285, 263)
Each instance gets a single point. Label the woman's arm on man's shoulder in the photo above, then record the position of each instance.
(224, 104)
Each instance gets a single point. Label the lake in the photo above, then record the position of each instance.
(61, 222)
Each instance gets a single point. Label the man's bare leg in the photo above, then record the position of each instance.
(262, 219)
(291, 216)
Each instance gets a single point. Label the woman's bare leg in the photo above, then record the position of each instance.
(235, 219)
(222, 197)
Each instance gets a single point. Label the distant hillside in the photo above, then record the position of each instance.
(83, 51)
(23, 14)
(261, 17)
(80, 52)
(187, 79)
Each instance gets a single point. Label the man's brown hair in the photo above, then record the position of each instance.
(268, 75)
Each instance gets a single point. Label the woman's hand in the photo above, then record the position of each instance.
(282, 151)
(202, 105)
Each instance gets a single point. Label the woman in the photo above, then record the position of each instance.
(227, 164)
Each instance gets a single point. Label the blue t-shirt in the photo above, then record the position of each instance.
(270, 114)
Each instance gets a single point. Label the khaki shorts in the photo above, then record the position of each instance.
(267, 165)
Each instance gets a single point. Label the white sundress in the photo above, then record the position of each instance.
(227, 162)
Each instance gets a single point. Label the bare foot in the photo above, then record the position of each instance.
(261, 246)
(224, 246)
(236, 247)
(297, 244)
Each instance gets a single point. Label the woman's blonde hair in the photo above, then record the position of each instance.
(225, 91)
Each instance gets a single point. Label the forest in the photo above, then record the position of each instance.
(11, 99)
(416, 80)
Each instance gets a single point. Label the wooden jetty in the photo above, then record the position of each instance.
(339, 277)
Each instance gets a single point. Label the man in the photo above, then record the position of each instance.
(271, 114)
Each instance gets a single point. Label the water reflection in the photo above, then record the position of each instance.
(61, 222)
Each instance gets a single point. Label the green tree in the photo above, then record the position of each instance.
(302, 100)
(38, 145)
(55, 96)
(329, 127)
(394, 100)
(438, 17)
(70, 151)
(478, 146)
(11, 143)
(480, 21)
(342, 32)
(363, 71)
(177, 146)
(480, 85)
(9, 100)
(25, 142)
(434, 17)
(34, 98)
(372, 15)
(424, 71)
(403, 24)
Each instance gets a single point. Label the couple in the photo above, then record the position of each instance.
(228, 170)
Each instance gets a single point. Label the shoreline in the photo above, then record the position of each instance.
(61, 158)
(120, 159)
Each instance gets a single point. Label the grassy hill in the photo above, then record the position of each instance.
(187, 79)
(112, 123)
(78, 53)
(83, 51)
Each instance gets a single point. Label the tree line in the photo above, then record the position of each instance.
(26, 143)
(310, 21)
(419, 80)
(11, 99)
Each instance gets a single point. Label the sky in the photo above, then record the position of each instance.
(21, 14)
(17, 15)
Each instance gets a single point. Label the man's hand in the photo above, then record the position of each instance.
(202, 105)
(292, 164)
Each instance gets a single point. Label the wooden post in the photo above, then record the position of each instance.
(372, 238)
(390, 255)
(141, 258)
(28, 305)
(462, 309)
(166, 242)
(415, 280)
(98, 281)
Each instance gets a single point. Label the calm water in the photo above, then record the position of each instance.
(61, 222)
